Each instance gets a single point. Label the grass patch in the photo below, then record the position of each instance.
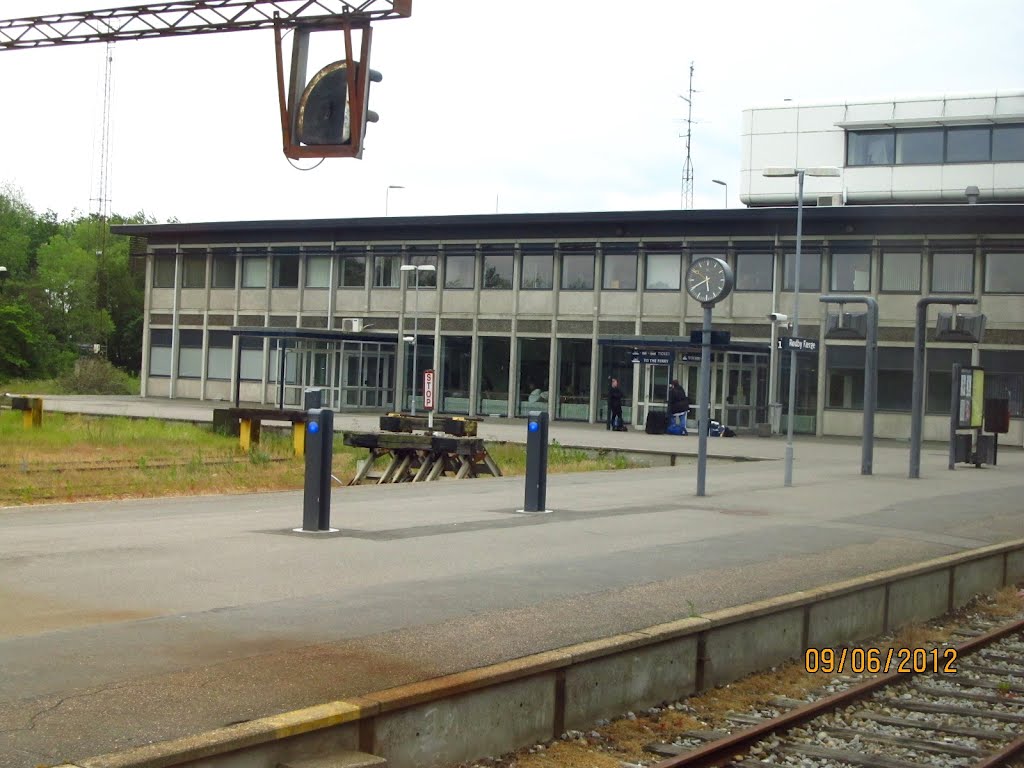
(76, 457)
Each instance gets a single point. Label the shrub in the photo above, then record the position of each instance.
(96, 376)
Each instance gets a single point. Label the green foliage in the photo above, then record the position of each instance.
(70, 282)
(96, 376)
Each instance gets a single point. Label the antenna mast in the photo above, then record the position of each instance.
(686, 194)
(102, 198)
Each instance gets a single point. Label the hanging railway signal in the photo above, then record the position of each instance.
(324, 117)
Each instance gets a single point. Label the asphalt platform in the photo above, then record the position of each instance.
(128, 622)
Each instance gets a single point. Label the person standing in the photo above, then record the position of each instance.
(678, 404)
(614, 405)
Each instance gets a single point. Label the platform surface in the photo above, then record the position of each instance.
(136, 621)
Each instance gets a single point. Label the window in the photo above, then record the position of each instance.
(538, 268)
(455, 369)
(251, 358)
(494, 352)
(870, 147)
(420, 256)
(851, 271)
(163, 269)
(619, 271)
(254, 271)
(952, 273)
(901, 272)
(919, 145)
(810, 272)
(1004, 377)
(386, 268)
(939, 376)
(1003, 273)
(318, 270)
(190, 354)
(460, 267)
(845, 379)
(577, 271)
(573, 379)
(353, 268)
(193, 268)
(224, 268)
(968, 145)
(218, 356)
(534, 355)
(498, 267)
(160, 340)
(1008, 143)
(663, 270)
(754, 271)
(286, 269)
(955, 144)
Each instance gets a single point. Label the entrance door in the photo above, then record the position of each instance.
(367, 377)
(743, 391)
(654, 381)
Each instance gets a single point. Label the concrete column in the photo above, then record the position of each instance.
(474, 343)
(175, 322)
(147, 304)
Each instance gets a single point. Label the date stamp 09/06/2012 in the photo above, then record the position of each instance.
(872, 660)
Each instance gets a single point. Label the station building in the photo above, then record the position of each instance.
(537, 311)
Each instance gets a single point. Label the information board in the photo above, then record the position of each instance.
(970, 398)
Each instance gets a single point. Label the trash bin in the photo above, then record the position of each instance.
(997, 415)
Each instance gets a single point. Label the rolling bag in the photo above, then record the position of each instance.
(657, 423)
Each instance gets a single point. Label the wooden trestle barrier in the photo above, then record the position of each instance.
(411, 458)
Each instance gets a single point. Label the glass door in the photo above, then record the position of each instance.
(654, 381)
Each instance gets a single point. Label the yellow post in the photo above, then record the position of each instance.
(33, 416)
(245, 434)
(299, 438)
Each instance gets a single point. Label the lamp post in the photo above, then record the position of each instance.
(417, 268)
(719, 181)
(387, 195)
(791, 410)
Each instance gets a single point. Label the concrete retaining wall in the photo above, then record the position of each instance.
(496, 709)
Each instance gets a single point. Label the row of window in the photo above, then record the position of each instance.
(934, 146)
(951, 271)
(844, 364)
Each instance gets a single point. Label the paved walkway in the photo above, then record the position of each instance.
(136, 621)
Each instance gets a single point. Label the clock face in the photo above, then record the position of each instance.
(708, 280)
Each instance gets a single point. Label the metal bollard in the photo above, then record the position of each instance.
(536, 462)
(316, 502)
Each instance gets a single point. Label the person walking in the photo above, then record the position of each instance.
(615, 406)
(678, 405)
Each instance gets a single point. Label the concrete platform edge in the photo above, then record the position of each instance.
(635, 669)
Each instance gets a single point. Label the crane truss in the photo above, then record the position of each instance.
(189, 17)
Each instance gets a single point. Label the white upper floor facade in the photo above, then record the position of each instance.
(921, 150)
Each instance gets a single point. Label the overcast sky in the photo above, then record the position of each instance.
(508, 105)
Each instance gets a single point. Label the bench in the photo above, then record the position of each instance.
(31, 408)
(245, 423)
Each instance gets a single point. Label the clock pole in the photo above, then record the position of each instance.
(704, 415)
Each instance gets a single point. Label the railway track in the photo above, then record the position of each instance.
(959, 707)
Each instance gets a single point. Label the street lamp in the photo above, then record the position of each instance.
(417, 268)
(791, 411)
(4, 274)
(387, 195)
(719, 181)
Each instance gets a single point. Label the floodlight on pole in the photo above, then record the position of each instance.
(417, 268)
(387, 195)
(799, 173)
(719, 181)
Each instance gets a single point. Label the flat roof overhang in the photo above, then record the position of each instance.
(765, 222)
(315, 334)
(680, 343)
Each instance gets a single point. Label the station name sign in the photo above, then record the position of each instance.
(796, 344)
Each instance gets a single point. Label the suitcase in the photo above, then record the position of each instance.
(677, 425)
(657, 423)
